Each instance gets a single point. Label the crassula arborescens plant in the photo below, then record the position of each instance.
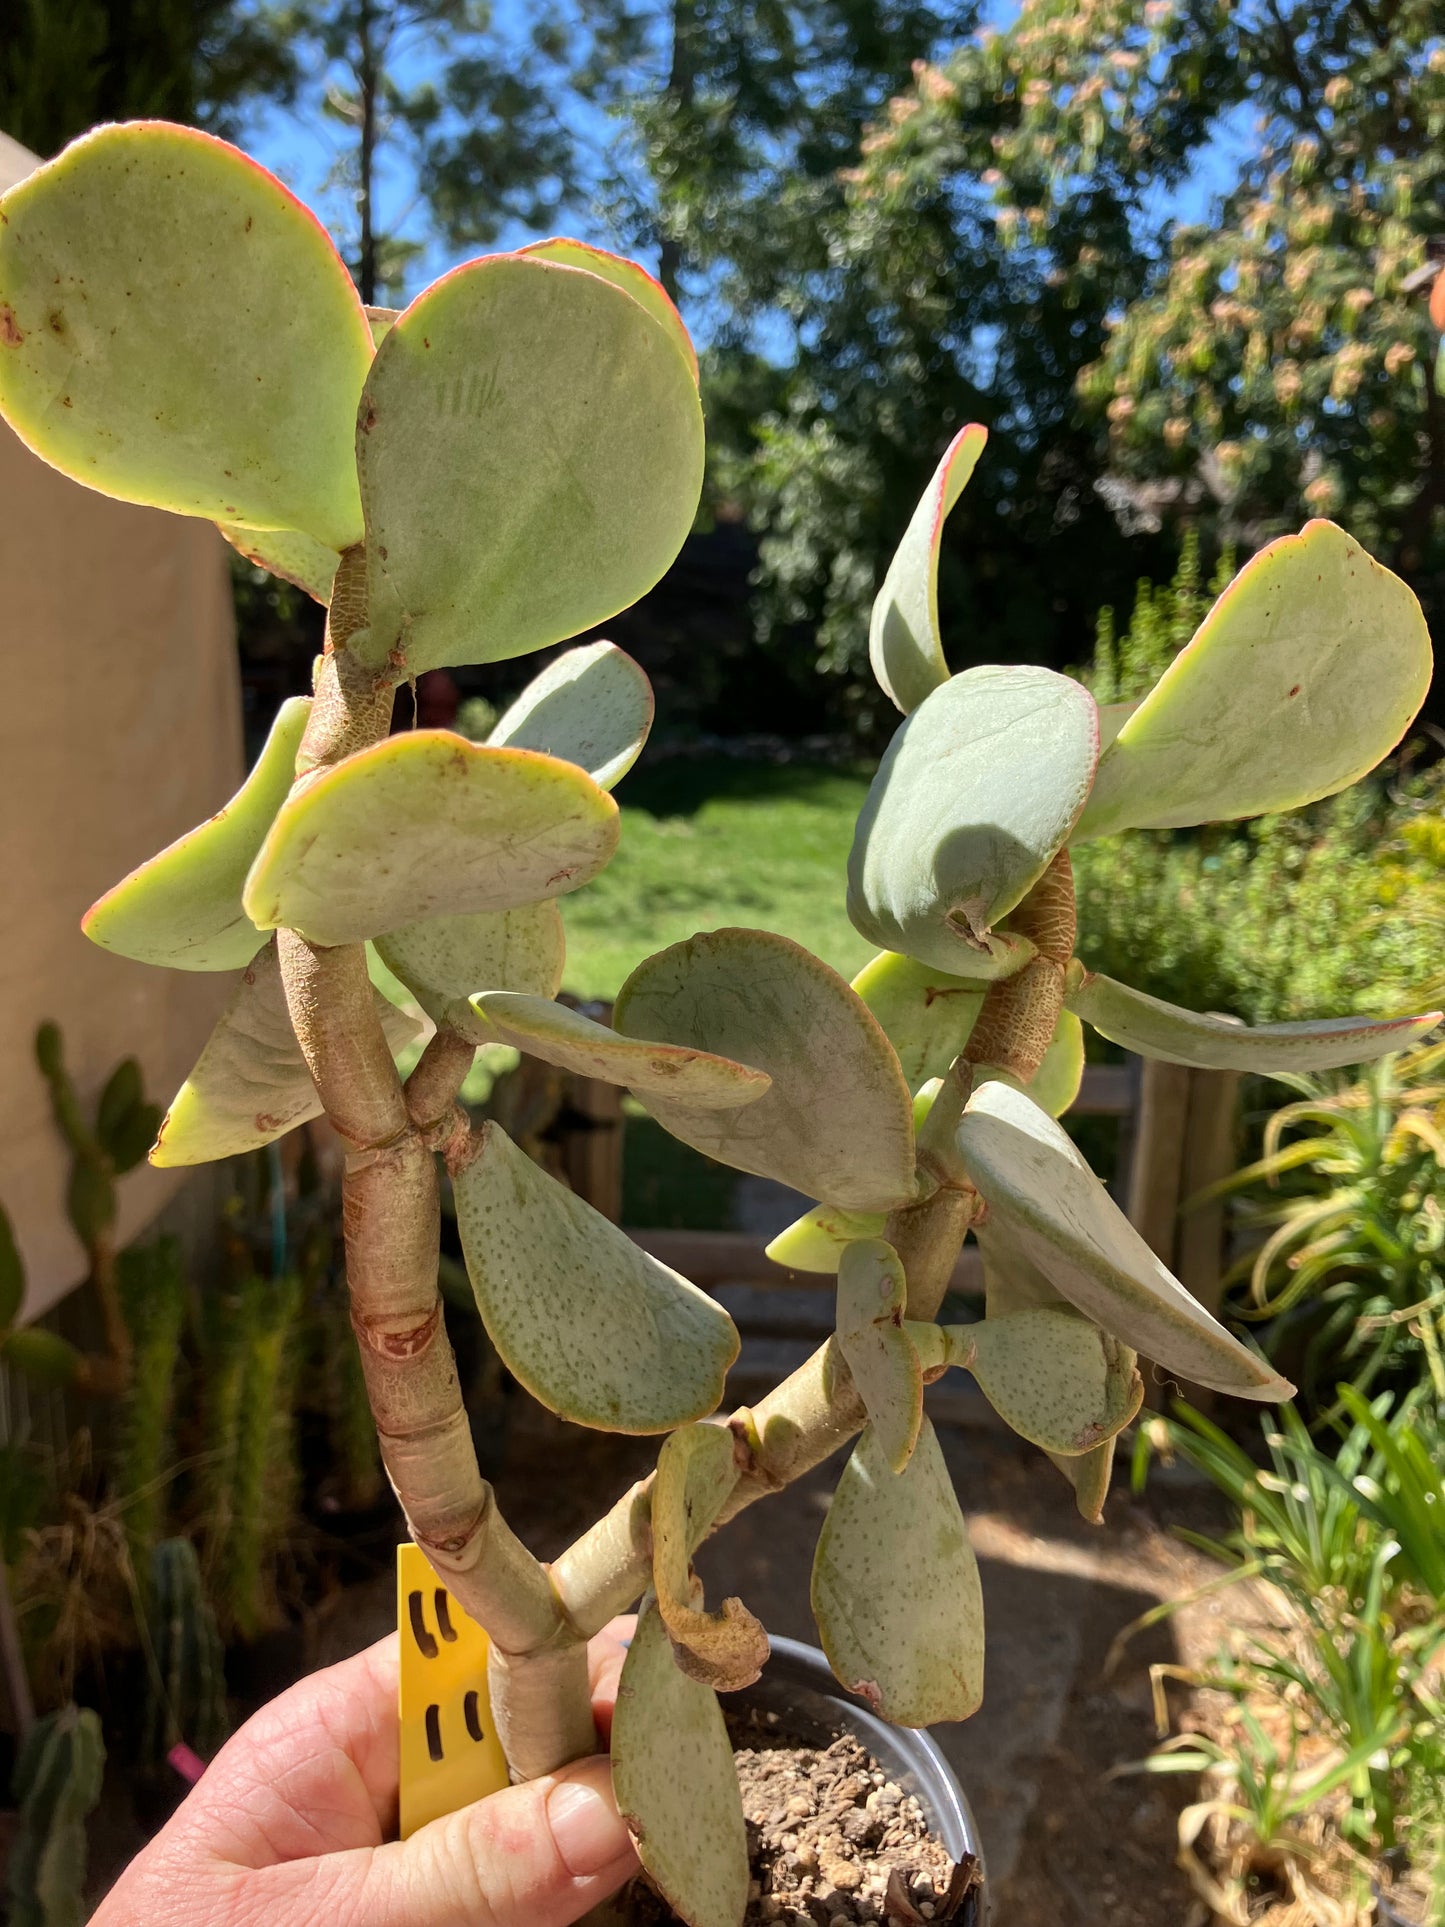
(505, 464)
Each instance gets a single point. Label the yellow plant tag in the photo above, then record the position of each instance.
(450, 1754)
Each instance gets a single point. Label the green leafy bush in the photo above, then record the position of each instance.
(1338, 906)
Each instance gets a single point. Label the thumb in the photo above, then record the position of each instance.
(536, 1855)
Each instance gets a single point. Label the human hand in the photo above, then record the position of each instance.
(288, 1827)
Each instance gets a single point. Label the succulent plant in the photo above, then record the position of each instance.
(56, 1783)
(506, 464)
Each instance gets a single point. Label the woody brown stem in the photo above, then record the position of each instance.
(391, 1221)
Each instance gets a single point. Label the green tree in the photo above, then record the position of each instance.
(442, 105)
(65, 67)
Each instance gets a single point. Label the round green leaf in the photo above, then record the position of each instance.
(443, 959)
(676, 1785)
(976, 794)
(530, 449)
(41, 1355)
(895, 1590)
(1306, 672)
(1056, 1378)
(1156, 1029)
(565, 1037)
(904, 644)
(837, 1123)
(1045, 1203)
(625, 274)
(426, 825)
(872, 1298)
(250, 1083)
(817, 1240)
(183, 907)
(592, 706)
(286, 552)
(926, 1013)
(595, 1329)
(177, 329)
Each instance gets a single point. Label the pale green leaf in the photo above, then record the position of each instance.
(1012, 1284)
(1156, 1029)
(1112, 718)
(976, 794)
(285, 552)
(183, 907)
(872, 1298)
(1045, 1203)
(1055, 1377)
(904, 644)
(592, 706)
(250, 1083)
(625, 274)
(178, 330)
(426, 825)
(837, 1123)
(442, 960)
(593, 1327)
(816, 1241)
(895, 1587)
(530, 450)
(577, 1043)
(926, 1013)
(1305, 673)
(1055, 1084)
(696, 1471)
(676, 1785)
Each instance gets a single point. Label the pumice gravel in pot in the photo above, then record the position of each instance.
(506, 463)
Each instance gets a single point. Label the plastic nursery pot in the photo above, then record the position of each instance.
(797, 1684)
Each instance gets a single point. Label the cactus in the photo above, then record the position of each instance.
(247, 1470)
(188, 1697)
(152, 1291)
(56, 1785)
(506, 464)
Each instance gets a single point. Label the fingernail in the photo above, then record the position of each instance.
(586, 1825)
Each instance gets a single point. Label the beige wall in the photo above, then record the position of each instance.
(119, 729)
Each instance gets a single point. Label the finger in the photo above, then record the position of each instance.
(538, 1855)
(315, 1771)
(606, 1654)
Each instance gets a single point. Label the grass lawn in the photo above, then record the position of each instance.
(707, 841)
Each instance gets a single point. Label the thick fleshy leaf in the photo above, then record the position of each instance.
(595, 1329)
(1055, 1377)
(592, 707)
(837, 1123)
(625, 274)
(530, 450)
(427, 825)
(1305, 673)
(872, 1299)
(895, 1587)
(696, 1470)
(1055, 1084)
(577, 1043)
(904, 644)
(676, 1785)
(1156, 1029)
(927, 1013)
(444, 959)
(176, 329)
(250, 1083)
(183, 907)
(285, 552)
(1012, 1284)
(1044, 1202)
(1112, 718)
(977, 792)
(817, 1240)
